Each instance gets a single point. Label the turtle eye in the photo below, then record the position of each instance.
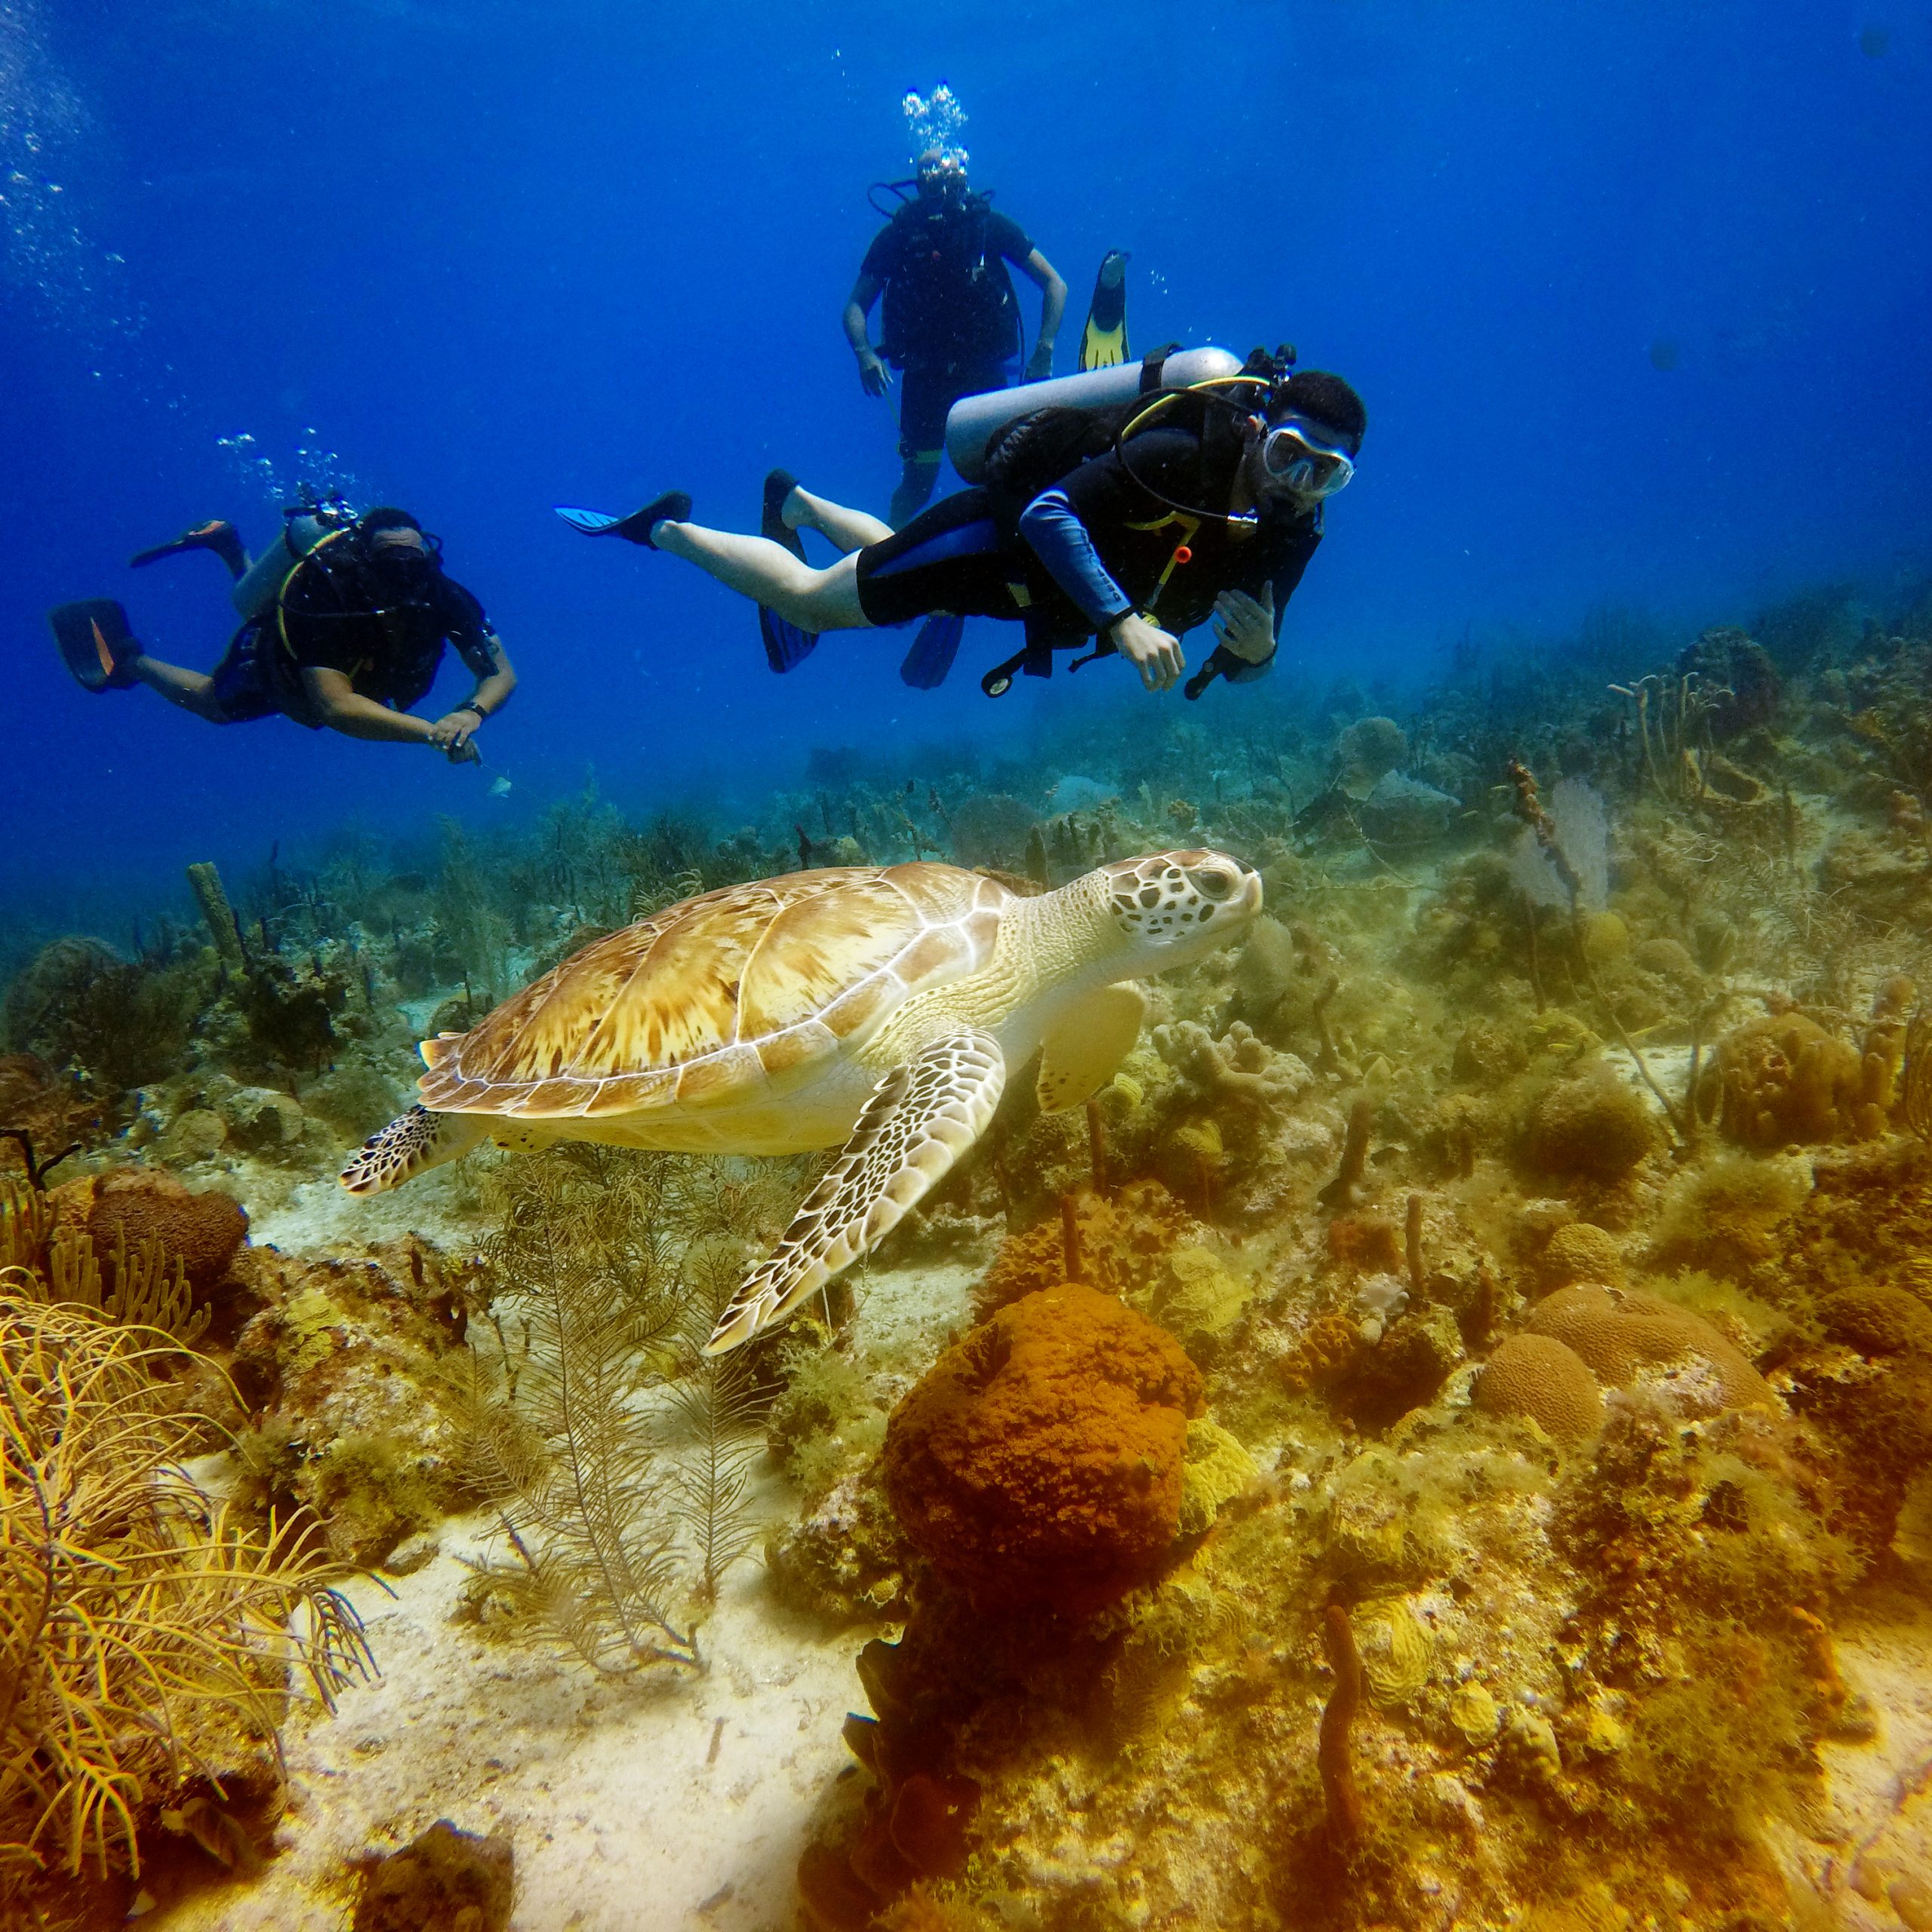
(1216, 886)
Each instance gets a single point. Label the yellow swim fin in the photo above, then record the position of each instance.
(1103, 341)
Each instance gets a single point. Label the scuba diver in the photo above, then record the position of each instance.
(345, 619)
(1128, 520)
(951, 320)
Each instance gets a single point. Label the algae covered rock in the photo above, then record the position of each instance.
(444, 1880)
(1039, 1461)
(1403, 811)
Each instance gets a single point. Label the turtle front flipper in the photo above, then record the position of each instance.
(411, 1142)
(1083, 1049)
(921, 1117)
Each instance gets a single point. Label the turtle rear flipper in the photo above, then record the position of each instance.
(921, 1117)
(411, 1142)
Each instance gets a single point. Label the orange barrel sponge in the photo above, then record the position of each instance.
(1533, 1376)
(1038, 1461)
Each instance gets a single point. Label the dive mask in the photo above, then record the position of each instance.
(943, 177)
(1307, 460)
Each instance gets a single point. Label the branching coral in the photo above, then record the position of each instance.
(137, 1618)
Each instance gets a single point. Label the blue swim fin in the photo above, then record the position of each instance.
(933, 651)
(785, 646)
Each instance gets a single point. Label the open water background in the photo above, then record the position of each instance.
(494, 255)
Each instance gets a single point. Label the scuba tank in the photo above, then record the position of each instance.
(973, 422)
(304, 525)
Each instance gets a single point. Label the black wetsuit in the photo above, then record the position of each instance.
(384, 633)
(969, 554)
(951, 319)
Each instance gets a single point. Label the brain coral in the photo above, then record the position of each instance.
(202, 1231)
(1545, 1381)
(1594, 1128)
(1581, 1253)
(1621, 1333)
(1040, 1460)
(1782, 1080)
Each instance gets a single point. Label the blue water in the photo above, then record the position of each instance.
(496, 255)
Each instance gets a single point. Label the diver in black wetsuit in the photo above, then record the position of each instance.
(348, 635)
(951, 320)
(1208, 503)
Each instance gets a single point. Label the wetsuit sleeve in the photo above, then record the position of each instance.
(1053, 528)
(881, 261)
(1004, 236)
(468, 629)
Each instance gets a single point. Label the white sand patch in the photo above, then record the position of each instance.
(318, 1217)
(619, 1814)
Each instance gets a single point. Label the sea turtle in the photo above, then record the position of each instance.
(874, 1008)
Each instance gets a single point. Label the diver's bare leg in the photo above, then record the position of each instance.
(850, 530)
(755, 567)
(192, 691)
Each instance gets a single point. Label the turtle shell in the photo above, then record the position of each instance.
(742, 994)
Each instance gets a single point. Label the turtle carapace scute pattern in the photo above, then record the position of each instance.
(878, 1009)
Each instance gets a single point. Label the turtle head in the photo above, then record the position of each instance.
(1172, 907)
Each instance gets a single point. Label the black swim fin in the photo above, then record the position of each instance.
(785, 645)
(674, 506)
(220, 536)
(930, 658)
(94, 639)
(1103, 341)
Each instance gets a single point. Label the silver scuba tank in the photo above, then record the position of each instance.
(973, 421)
(256, 590)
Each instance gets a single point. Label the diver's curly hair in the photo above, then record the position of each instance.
(1324, 399)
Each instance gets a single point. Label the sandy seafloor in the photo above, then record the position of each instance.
(618, 1811)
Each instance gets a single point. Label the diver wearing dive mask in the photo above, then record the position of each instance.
(951, 320)
(1307, 459)
(346, 623)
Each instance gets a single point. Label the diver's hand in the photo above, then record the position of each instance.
(1040, 363)
(875, 378)
(1156, 654)
(451, 734)
(1246, 625)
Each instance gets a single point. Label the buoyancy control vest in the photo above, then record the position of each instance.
(950, 298)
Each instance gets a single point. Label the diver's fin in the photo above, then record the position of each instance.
(921, 1117)
(779, 484)
(674, 506)
(933, 651)
(96, 644)
(221, 536)
(1103, 341)
(785, 645)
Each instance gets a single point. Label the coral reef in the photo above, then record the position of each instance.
(1624, 1335)
(1040, 1460)
(141, 1619)
(1537, 1376)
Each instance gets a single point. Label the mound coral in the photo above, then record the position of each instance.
(1541, 1378)
(1580, 1252)
(1039, 1461)
(1783, 1081)
(1623, 1335)
(1877, 1320)
(203, 1231)
(1365, 750)
(1594, 1128)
